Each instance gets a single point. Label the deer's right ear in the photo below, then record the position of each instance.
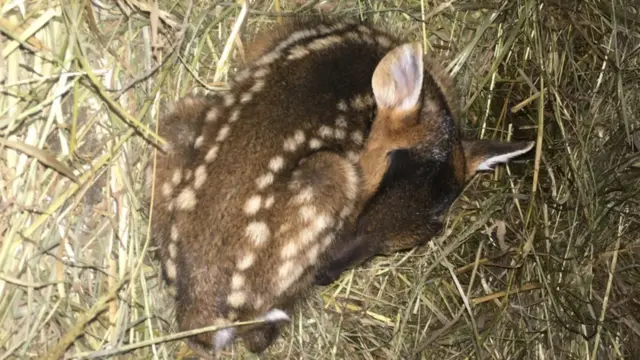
(397, 80)
(483, 154)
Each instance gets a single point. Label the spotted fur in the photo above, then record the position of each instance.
(274, 176)
(261, 186)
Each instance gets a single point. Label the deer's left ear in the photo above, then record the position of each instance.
(397, 80)
(483, 154)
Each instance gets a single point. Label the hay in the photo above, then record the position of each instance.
(538, 260)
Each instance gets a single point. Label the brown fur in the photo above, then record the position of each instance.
(179, 129)
(260, 189)
(415, 163)
(214, 227)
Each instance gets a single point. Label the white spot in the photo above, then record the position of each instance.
(298, 35)
(237, 281)
(337, 27)
(369, 100)
(327, 241)
(229, 99)
(364, 29)
(269, 202)
(201, 176)
(258, 302)
(325, 132)
(356, 137)
(198, 142)
(368, 39)
(322, 222)
(258, 232)
(265, 180)
(276, 315)
(186, 200)
(167, 189)
(297, 52)
(223, 338)
(173, 250)
(354, 36)
(252, 206)
(383, 40)
(286, 268)
(235, 115)
(358, 102)
(325, 42)
(236, 299)
(293, 275)
(174, 233)
(304, 196)
(223, 133)
(243, 75)
(290, 250)
(299, 137)
(342, 105)
(315, 143)
(262, 72)
(290, 144)
(352, 182)
(323, 29)
(168, 148)
(307, 212)
(340, 134)
(312, 254)
(246, 261)
(307, 236)
(346, 211)
(170, 269)
(341, 121)
(268, 58)
(353, 156)
(284, 228)
(212, 115)
(245, 98)
(258, 86)
(188, 174)
(276, 163)
(177, 176)
(211, 154)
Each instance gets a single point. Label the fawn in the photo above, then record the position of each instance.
(258, 183)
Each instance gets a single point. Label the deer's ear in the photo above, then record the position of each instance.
(397, 80)
(483, 154)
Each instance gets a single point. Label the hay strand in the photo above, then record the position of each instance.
(538, 259)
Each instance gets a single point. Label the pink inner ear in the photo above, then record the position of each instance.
(407, 74)
(397, 82)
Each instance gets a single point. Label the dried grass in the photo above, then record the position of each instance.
(538, 260)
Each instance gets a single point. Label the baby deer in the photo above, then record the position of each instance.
(416, 162)
(258, 182)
